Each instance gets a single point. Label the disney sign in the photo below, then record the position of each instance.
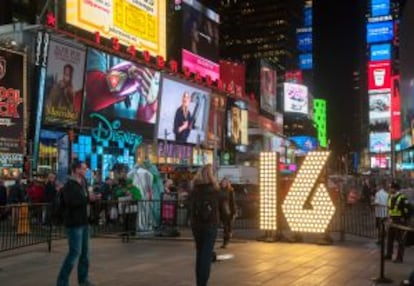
(106, 130)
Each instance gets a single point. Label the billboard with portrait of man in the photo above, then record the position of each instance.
(64, 84)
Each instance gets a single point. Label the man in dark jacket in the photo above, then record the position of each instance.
(75, 217)
(50, 194)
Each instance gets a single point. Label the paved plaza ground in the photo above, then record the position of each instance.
(171, 262)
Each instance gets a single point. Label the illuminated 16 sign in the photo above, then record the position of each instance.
(307, 206)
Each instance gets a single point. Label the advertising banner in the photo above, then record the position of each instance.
(12, 106)
(233, 76)
(380, 52)
(380, 32)
(380, 142)
(202, 157)
(122, 90)
(395, 108)
(379, 76)
(296, 98)
(200, 39)
(294, 76)
(63, 85)
(380, 8)
(215, 126)
(184, 112)
(304, 42)
(380, 162)
(307, 17)
(268, 88)
(379, 105)
(175, 153)
(237, 122)
(305, 61)
(140, 23)
(305, 143)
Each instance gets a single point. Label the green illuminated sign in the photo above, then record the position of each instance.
(106, 130)
(319, 117)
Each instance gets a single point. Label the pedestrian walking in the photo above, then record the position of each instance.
(227, 210)
(75, 200)
(204, 220)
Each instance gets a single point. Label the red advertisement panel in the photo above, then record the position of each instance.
(233, 77)
(395, 108)
(294, 76)
(379, 75)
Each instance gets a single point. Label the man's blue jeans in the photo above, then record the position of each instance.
(78, 240)
(204, 237)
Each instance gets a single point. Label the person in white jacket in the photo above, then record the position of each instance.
(381, 208)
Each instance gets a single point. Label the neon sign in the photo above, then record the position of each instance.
(106, 130)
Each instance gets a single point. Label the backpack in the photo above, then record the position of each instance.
(58, 208)
(205, 207)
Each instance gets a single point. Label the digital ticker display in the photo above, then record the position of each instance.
(380, 32)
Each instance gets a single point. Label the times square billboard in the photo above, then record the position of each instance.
(380, 8)
(139, 23)
(380, 32)
(407, 67)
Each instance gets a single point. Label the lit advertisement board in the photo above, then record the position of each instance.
(304, 42)
(380, 162)
(237, 123)
(319, 117)
(395, 108)
(380, 142)
(305, 61)
(380, 52)
(380, 32)
(305, 143)
(307, 17)
(295, 98)
(294, 76)
(380, 8)
(380, 105)
(233, 76)
(200, 53)
(379, 76)
(140, 23)
(268, 88)
(184, 110)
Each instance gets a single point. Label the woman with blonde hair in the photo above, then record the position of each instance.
(204, 220)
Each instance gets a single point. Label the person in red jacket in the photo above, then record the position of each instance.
(35, 192)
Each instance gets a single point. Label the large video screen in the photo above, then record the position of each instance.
(305, 143)
(184, 112)
(237, 122)
(305, 61)
(122, 90)
(379, 75)
(380, 8)
(140, 23)
(296, 98)
(380, 105)
(380, 142)
(268, 88)
(233, 76)
(200, 39)
(380, 52)
(380, 32)
(304, 42)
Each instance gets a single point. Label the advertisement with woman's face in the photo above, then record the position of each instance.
(184, 111)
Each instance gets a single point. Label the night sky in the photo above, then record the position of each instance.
(338, 51)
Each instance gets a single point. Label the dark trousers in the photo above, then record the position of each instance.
(205, 238)
(395, 234)
(227, 230)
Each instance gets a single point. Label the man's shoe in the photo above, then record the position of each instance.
(398, 261)
(387, 257)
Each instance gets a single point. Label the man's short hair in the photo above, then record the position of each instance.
(76, 164)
